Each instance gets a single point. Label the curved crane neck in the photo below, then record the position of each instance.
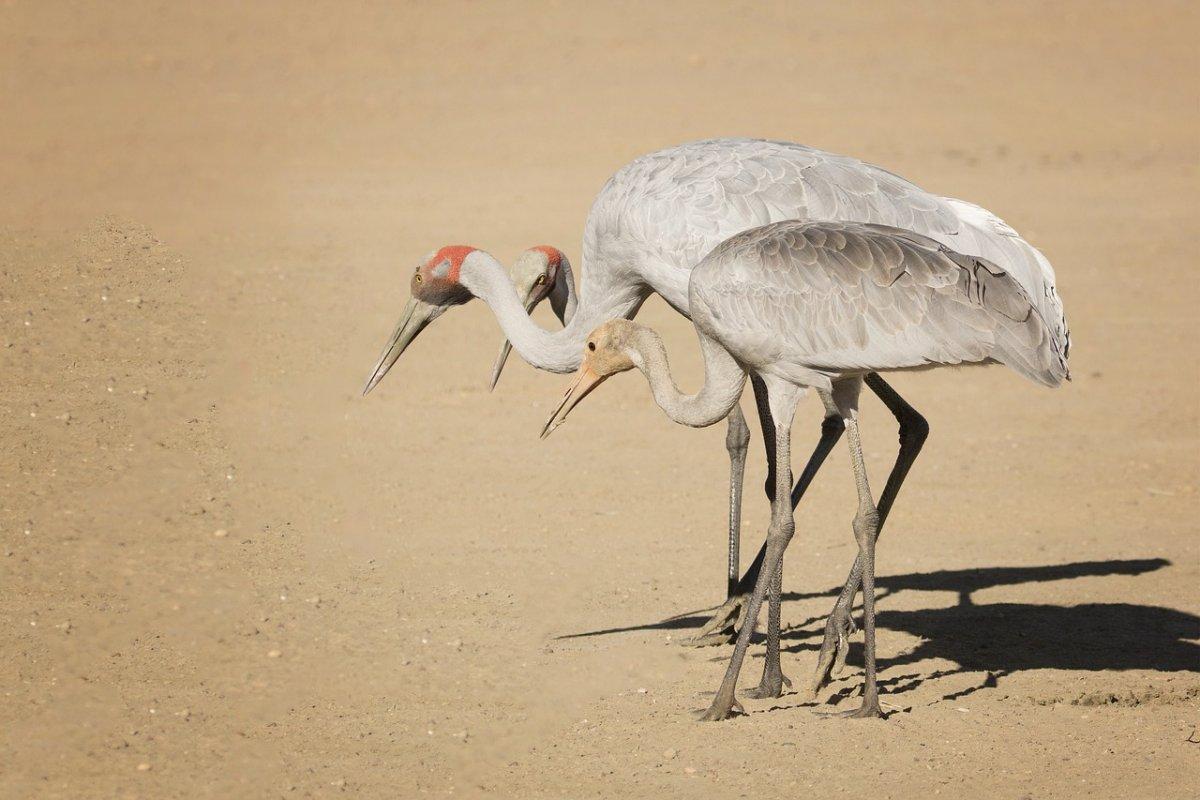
(723, 380)
(557, 351)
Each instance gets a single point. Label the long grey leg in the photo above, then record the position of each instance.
(737, 441)
(838, 627)
(783, 402)
(721, 626)
(773, 680)
(866, 531)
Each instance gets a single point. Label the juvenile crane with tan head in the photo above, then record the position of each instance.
(821, 305)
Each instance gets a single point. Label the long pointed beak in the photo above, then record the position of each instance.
(417, 314)
(530, 302)
(585, 381)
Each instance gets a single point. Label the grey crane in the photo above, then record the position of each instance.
(821, 305)
(654, 220)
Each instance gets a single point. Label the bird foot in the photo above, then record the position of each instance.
(723, 625)
(770, 687)
(834, 648)
(845, 630)
(711, 639)
(867, 710)
(724, 706)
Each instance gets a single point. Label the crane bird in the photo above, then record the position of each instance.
(820, 305)
(540, 272)
(653, 221)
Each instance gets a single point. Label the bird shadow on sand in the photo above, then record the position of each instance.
(998, 639)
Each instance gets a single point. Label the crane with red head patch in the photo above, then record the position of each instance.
(436, 279)
(455, 274)
(540, 272)
(435, 286)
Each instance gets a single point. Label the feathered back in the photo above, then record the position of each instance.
(663, 212)
(846, 296)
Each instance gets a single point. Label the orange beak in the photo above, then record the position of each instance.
(585, 381)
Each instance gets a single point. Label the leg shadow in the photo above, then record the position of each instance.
(964, 582)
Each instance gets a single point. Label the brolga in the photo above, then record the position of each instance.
(652, 223)
(540, 272)
(820, 305)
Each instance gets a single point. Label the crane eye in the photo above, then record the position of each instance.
(419, 279)
(541, 279)
(592, 346)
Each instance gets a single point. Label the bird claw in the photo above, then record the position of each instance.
(831, 660)
(770, 687)
(868, 710)
(843, 647)
(721, 709)
(710, 639)
(723, 625)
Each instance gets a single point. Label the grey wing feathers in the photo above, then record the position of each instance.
(850, 296)
(984, 234)
(685, 200)
(672, 207)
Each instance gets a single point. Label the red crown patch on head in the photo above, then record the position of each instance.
(553, 256)
(455, 254)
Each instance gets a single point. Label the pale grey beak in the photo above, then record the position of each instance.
(585, 381)
(417, 314)
(530, 301)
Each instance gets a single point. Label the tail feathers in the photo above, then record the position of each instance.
(1031, 349)
(1023, 339)
(984, 234)
(1047, 374)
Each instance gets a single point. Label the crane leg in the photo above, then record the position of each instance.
(723, 625)
(779, 534)
(737, 442)
(840, 626)
(866, 532)
(773, 680)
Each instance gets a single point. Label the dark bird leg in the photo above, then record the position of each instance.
(840, 626)
(778, 535)
(866, 528)
(722, 626)
(737, 442)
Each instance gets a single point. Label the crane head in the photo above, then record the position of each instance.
(609, 350)
(535, 275)
(435, 287)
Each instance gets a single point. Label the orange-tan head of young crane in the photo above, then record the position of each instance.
(609, 350)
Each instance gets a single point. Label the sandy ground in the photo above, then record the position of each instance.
(206, 225)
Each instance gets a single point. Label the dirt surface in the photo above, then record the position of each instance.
(225, 574)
